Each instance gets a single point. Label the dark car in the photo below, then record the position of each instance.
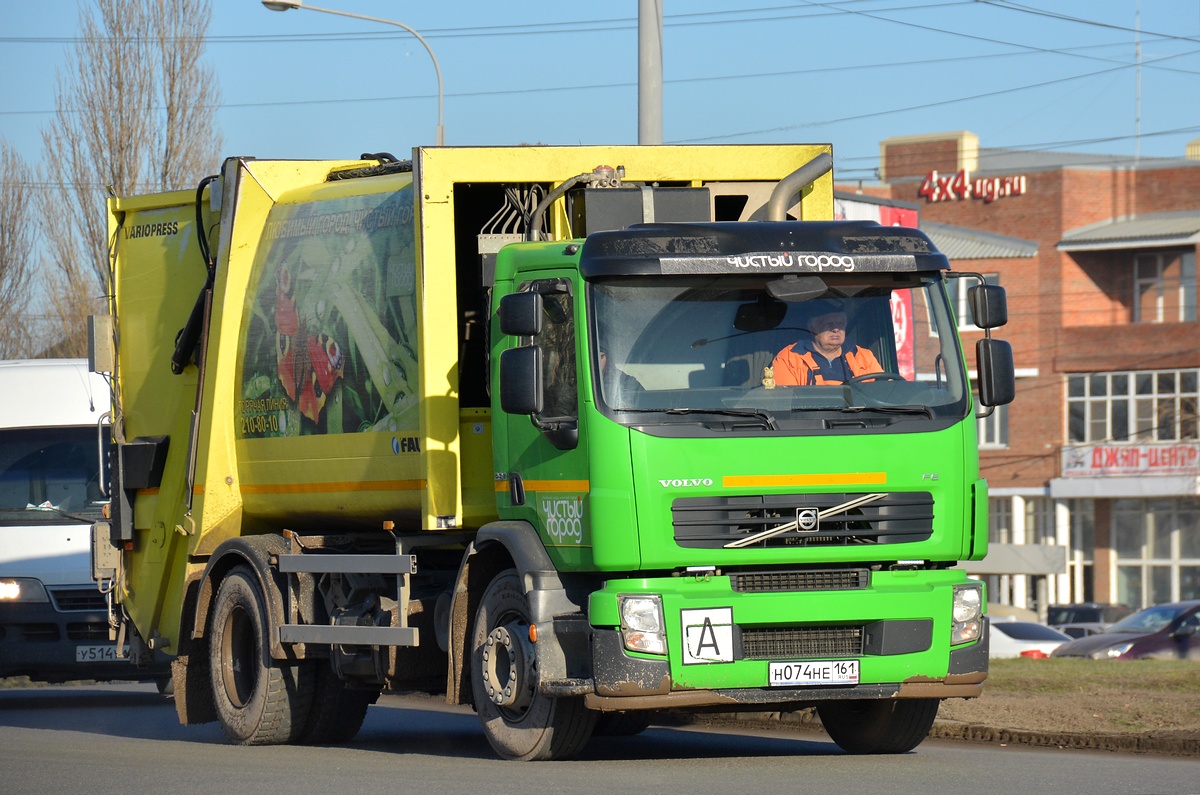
(1168, 631)
(1085, 618)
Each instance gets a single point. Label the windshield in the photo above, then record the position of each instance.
(1152, 619)
(49, 476)
(879, 348)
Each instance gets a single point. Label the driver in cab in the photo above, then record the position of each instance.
(825, 359)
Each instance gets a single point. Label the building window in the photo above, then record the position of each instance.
(1000, 520)
(1039, 521)
(1081, 562)
(993, 429)
(1157, 544)
(1137, 407)
(1164, 287)
(962, 306)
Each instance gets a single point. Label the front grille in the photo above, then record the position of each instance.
(87, 631)
(715, 522)
(36, 633)
(793, 581)
(801, 642)
(78, 599)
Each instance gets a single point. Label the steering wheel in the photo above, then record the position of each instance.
(884, 376)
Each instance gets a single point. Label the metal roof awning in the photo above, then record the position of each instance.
(959, 243)
(1154, 230)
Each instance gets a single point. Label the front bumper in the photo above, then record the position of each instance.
(901, 623)
(42, 642)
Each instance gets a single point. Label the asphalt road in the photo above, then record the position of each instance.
(125, 738)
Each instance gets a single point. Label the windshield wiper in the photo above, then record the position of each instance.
(767, 418)
(907, 409)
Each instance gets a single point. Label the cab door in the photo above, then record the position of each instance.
(542, 457)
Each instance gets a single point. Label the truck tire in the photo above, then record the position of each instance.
(259, 701)
(520, 722)
(337, 711)
(893, 726)
(621, 724)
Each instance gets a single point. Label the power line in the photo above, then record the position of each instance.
(736, 16)
(928, 28)
(1024, 9)
(924, 106)
(676, 81)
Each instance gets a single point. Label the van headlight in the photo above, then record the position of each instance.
(967, 614)
(22, 589)
(642, 625)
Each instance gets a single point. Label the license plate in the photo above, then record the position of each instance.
(808, 674)
(99, 653)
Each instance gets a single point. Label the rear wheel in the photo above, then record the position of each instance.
(259, 701)
(878, 727)
(520, 722)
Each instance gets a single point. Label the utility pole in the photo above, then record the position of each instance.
(650, 72)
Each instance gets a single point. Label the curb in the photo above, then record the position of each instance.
(1149, 743)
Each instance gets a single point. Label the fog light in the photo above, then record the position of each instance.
(967, 614)
(642, 625)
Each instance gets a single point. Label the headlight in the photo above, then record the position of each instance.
(967, 614)
(22, 589)
(1112, 652)
(642, 625)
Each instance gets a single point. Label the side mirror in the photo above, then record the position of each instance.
(521, 314)
(1186, 631)
(997, 375)
(989, 305)
(521, 377)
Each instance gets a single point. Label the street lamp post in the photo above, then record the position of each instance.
(287, 5)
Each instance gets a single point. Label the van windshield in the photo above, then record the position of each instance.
(49, 476)
(684, 346)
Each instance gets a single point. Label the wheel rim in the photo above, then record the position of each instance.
(507, 667)
(239, 648)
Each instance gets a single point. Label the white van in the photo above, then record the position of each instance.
(53, 618)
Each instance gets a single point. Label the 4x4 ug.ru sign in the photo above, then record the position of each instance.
(938, 188)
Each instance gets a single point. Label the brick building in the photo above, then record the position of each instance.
(1099, 456)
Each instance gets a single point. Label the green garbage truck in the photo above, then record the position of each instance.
(522, 426)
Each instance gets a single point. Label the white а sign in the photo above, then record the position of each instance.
(707, 635)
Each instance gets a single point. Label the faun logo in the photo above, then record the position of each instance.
(685, 483)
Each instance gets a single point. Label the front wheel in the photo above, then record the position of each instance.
(520, 722)
(622, 724)
(338, 711)
(878, 727)
(259, 701)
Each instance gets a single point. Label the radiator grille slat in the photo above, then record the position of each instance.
(91, 631)
(794, 581)
(891, 518)
(78, 599)
(802, 642)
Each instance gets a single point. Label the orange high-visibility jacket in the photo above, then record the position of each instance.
(799, 367)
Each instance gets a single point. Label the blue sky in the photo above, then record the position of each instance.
(1044, 75)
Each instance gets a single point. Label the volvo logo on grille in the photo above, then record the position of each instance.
(807, 519)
